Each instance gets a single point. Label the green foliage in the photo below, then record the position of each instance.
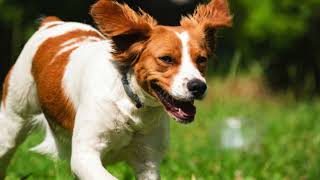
(9, 14)
(282, 36)
(280, 20)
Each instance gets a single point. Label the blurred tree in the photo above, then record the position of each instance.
(283, 36)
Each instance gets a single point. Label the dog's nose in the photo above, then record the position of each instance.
(197, 88)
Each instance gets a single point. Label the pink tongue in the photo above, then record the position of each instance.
(184, 111)
(184, 114)
(181, 110)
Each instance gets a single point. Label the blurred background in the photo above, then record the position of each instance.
(261, 119)
(281, 37)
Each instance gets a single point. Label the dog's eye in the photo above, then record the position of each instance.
(166, 59)
(201, 60)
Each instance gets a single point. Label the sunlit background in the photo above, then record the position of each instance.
(261, 117)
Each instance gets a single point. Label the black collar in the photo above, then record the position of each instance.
(127, 88)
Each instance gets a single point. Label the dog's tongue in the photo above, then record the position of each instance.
(186, 112)
(182, 110)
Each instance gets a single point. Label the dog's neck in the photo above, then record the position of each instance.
(130, 92)
(137, 95)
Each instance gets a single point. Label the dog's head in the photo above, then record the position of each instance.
(169, 62)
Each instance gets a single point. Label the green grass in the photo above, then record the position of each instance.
(286, 133)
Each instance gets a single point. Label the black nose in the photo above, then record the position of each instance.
(197, 88)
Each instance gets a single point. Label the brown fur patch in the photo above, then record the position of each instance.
(6, 87)
(128, 29)
(49, 19)
(207, 18)
(199, 49)
(197, 44)
(48, 70)
(214, 15)
(163, 42)
(115, 19)
(51, 26)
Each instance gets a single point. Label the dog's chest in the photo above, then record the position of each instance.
(142, 120)
(132, 126)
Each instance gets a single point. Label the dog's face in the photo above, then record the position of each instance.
(169, 62)
(172, 68)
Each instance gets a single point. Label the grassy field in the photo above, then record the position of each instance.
(283, 141)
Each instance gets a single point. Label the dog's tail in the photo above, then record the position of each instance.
(46, 20)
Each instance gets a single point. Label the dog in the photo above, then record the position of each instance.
(106, 95)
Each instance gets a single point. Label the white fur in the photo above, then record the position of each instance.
(73, 44)
(86, 38)
(49, 145)
(187, 71)
(109, 120)
(50, 24)
(108, 127)
(71, 41)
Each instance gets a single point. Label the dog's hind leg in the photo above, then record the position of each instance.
(15, 124)
(13, 131)
(20, 102)
(18, 108)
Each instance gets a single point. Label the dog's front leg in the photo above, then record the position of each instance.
(149, 171)
(145, 161)
(90, 139)
(148, 151)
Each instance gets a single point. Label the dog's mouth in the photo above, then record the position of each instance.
(182, 111)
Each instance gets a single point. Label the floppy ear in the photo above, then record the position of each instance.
(127, 29)
(210, 17)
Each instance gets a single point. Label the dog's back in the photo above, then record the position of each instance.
(45, 54)
(49, 63)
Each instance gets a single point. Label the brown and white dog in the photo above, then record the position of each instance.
(105, 97)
